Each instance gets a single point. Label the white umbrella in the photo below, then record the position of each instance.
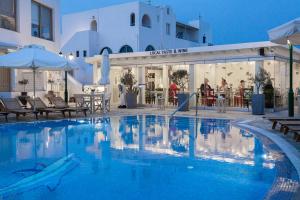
(105, 69)
(286, 32)
(105, 80)
(35, 57)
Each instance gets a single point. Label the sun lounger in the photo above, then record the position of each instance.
(284, 124)
(41, 107)
(5, 114)
(12, 105)
(275, 120)
(295, 130)
(59, 103)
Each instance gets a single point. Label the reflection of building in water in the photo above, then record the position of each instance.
(234, 146)
(150, 135)
(7, 148)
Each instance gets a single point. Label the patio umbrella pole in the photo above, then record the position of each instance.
(34, 72)
(66, 87)
(291, 92)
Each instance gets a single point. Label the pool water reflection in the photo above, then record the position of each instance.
(141, 157)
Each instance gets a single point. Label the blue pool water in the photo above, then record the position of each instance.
(137, 157)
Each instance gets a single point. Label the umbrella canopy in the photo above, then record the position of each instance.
(105, 68)
(289, 31)
(34, 57)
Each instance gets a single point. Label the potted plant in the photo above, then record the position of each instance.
(24, 82)
(261, 79)
(180, 77)
(132, 91)
(51, 82)
(269, 94)
(23, 97)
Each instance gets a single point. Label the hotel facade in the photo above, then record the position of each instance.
(234, 63)
(124, 28)
(24, 22)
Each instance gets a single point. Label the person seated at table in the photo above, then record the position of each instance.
(173, 92)
(205, 88)
(174, 87)
(242, 88)
(239, 95)
(223, 87)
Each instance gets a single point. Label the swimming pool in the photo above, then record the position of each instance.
(138, 157)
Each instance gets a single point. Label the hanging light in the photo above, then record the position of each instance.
(71, 57)
(60, 54)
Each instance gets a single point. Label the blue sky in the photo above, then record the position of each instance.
(232, 21)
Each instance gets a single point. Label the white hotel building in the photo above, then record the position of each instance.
(24, 22)
(233, 62)
(124, 28)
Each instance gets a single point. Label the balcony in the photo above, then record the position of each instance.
(187, 32)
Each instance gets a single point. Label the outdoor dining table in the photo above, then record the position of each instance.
(95, 101)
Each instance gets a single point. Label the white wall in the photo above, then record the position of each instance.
(114, 31)
(23, 37)
(23, 34)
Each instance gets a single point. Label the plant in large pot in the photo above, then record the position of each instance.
(132, 91)
(261, 79)
(269, 94)
(24, 82)
(23, 97)
(180, 77)
(51, 82)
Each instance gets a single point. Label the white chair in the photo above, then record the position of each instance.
(161, 99)
(106, 101)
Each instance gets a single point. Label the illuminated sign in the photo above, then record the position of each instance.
(168, 52)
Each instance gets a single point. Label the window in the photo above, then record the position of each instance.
(77, 54)
(150, 48)
(8, 14)
(146, 21)
(94, 25)
(132, 19)
(168, 29)
(126, 49)
(108, 49)
(204, 39)
(41, 21)
(168, 11)
(84, 53)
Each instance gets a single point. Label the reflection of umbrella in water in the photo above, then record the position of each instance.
(37, 128)
(41, 175)
(37, 166)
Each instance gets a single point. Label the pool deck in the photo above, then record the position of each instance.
(242, 119)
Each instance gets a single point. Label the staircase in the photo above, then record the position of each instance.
(74, 86)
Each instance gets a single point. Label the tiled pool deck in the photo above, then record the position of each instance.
(283, 188)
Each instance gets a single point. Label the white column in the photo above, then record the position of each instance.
(192, 83)
(13, 78)
(258, 65)
(165, 81)
(96, 73)
(141, 81)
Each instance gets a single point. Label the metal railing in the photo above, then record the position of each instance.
(183, 104)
